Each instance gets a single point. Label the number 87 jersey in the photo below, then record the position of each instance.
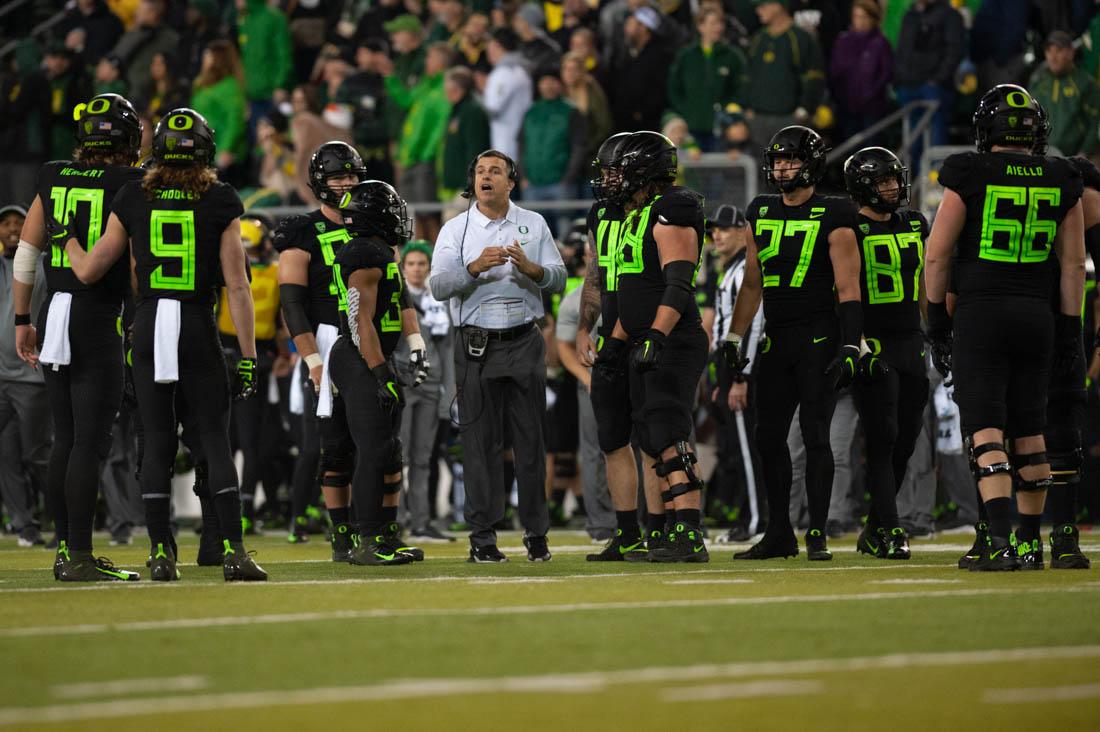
(891, 262)
(1014, 205)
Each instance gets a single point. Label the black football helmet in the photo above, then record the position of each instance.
(108, 122)
(867, 169)
(796, 143)
(1042, 136)
(606, 176)
(1008, 115)
(183, 138)
(644, 157)
(331, 159)
(373, 208)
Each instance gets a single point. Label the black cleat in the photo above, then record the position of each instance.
(981, 539)
(621, 549)
(163, 565)
(872, 542)
(239, 566)
(770, 548)
(816, 548)
(488, 554)
(83, 567)
(376, 551)
(1030, 553)
(999, 555)
(654, 541)
(343, 542)
(1065, 548)
(60, 558)
(897, 544)
(683, 545)
(392, 534)
(537, 551)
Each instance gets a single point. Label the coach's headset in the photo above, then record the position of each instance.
(513, 174)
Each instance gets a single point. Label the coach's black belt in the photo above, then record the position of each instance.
(506, 334)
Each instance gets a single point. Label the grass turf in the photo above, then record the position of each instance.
(445, 644)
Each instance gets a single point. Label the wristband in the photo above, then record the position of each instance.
(314, 360)
(22, 319)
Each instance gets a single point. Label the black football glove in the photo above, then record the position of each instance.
(609, 359)
(419, 366)
(939, 339)
(842, 369)
(390, 397)
(59, 233)
(733, 350)
(244, 385)
(1067, 343)
(646, 354)
(872, 367)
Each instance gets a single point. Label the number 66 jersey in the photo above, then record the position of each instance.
(1014, 205)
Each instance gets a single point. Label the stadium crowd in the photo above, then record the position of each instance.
(420, 90)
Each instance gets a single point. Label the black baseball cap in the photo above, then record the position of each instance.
(727, 216)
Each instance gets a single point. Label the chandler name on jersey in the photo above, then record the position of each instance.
(891, 262)
(1014, 205)
(371, 254)
(176, 239)
(322, 240)
(639, 275)
(82, 194)
(792, 245)
(605, 222)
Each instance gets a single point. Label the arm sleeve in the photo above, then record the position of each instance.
(449, 276)
(293, 299)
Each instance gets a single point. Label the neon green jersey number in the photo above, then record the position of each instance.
(882, 262)
(182, 250)
(65, 201)
(776, 230)
(607, 240)
(391, 320)
(632, 237)
(1006, 239)
(328, 242)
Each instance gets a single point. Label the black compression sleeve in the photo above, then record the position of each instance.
(679, 286)
(293, 299)
(851, 322)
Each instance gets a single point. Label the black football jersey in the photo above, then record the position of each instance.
(605, 223)
(83, 194)
(1014, 205)
(322, 240)
(175, 239)
(792, 244)
(366, 254)
(891, 264)
(639, 276)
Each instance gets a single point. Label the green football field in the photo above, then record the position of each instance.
(568, 645)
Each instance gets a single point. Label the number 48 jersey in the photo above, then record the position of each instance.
(175, 239)
(82, 194)
(1014, 205)
(891, 262)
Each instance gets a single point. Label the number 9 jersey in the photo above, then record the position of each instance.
(175, 239)
(1014, 204)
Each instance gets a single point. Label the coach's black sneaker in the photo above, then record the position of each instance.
(897, 544)
(999, 555)
(1030, 553)
(488, 554)
(872, 542)
(981, 539)
(537, 551)
(1065, 548)
(343, 542)
(376, 551)
(162, 568)
(392, 534)
(816, 547)
(770, 548)
(682, 545)
(622, 548)
(239, 566)
(62, 556)
(83, 567)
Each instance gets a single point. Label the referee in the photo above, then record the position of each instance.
(494, 263)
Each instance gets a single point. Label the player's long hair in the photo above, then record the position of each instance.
(647, 193)
(193, 179)
(105, 157)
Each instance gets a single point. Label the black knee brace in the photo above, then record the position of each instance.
(394, 460)
(977, 451)
(390, 488)
(1065, 466)
(342, 462)
(335, 480)
(1022, 461)
(685, 460)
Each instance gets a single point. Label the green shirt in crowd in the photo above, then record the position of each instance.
(467, 135)
(548, 138)
(264, 39)
(1073, 104)
(784, 72)
(225, 108)
(700, 80)
(426, 121)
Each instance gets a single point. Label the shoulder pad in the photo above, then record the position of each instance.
(293, 232)
(956, 169)
(680, 207)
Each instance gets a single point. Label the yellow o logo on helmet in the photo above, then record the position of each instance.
(1017, 99)
(99, 105)
(180, 122)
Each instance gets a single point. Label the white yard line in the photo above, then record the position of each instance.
(129, 686)
(715, 581)
(742, 690)
(501, 610)
(1041, 694)
(585, 682)
(915, 581)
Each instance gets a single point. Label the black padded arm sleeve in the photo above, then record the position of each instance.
(851, 322)
(679, 285)
(293, 300)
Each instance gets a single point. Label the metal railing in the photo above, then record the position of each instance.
(909, 132)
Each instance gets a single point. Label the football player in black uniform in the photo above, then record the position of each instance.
(610, 390)
(1004, 212)
(803, 247)
(311, 307)
(80, 333)
(376, 314)
(180, 227)
(658, 329)
(891, 388)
